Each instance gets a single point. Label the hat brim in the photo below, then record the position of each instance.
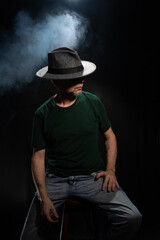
(89, 68)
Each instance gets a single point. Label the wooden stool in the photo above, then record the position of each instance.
(69, 204)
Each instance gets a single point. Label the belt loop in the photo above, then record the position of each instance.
(50, 175)
(94, 174)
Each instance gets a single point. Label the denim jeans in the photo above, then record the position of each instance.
(124, 218)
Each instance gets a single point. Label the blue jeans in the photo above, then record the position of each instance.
(124, 218)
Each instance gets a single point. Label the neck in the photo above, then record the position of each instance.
(64, 99)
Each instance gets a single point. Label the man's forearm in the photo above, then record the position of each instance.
(110, 181)
(111, 153)
(38, 173)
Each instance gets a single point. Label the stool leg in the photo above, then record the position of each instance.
(94, 221)
(64, 224)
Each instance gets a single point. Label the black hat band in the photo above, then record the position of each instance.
(65, 70)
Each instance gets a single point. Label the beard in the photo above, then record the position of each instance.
(69, 95)
(76, 94)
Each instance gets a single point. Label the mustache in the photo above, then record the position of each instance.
(79, 86)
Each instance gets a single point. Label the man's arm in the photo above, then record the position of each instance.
(110, 180)
(38, 173)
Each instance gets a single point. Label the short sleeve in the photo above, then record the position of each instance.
(38, 141)
(104, 122)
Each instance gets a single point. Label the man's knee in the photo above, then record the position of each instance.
(135, 220)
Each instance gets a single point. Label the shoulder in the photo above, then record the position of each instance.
(92, 99)
(44, 107)
(90, 96)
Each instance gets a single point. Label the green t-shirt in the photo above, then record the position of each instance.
(70, 135)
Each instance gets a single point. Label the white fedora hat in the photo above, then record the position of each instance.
(64, 64)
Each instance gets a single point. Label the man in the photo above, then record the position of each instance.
(66, 160)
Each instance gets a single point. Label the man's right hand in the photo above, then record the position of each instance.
(48, 210)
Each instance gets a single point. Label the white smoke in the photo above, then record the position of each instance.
(27, 48)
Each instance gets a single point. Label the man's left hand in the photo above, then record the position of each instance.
(110, 180)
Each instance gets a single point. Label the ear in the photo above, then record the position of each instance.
(54, 83)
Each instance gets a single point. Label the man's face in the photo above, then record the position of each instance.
(70, 86)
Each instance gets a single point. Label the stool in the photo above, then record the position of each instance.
(70, 203)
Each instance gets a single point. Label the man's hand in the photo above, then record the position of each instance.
(110, 180)
(48, 210)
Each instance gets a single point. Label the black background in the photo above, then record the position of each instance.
(123, 41)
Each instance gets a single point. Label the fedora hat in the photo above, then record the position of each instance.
(64, 64)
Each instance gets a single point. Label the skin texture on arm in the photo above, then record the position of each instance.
(110, 180)
(38, 173)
